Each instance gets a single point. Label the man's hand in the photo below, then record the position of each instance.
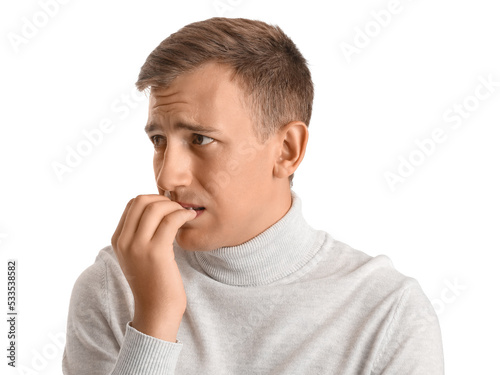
(143, 244)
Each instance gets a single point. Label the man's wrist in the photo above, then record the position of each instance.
(165, 328)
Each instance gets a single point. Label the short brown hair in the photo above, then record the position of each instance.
(266, 63)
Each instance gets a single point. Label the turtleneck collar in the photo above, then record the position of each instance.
(280, 250)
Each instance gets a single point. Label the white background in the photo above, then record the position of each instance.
(440, 225)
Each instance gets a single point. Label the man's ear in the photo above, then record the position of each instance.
(292, 142)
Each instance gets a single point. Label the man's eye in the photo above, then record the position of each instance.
(158, 141)
(198, 139)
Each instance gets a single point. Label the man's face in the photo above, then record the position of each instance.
(226, 171)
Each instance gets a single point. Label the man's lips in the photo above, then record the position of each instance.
(195, 207)
(191, 206)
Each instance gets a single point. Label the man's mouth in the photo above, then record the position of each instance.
(191, 206)
(195, 208)
(198, 209)
(187, 206)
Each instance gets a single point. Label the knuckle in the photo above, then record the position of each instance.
(149, 208)
(139, 198)
(143, 200)
(120, 244)
(153, 206)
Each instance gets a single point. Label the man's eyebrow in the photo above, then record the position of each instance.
(181, 125)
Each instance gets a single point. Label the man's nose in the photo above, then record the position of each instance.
(175, 170)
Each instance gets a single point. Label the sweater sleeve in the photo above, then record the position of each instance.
(95, 346)
(412, 343)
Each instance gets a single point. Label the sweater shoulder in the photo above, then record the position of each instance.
(94, 277)
(376, 273)
(90, 286)
(100, 284)
(107, 262)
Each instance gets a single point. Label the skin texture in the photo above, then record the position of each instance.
(242, 184)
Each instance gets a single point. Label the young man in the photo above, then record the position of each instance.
(220, 273)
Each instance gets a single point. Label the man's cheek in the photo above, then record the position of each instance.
(234, 167)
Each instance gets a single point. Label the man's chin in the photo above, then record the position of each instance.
(187, 242)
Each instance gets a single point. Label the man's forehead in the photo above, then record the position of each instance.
(161, 90)
(201, 87)
(164, 95)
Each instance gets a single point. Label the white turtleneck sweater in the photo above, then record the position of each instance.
(291, 300)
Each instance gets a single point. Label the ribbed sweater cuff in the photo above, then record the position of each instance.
(141, 354)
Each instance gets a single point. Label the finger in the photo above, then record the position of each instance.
(151, 217)
(169, 226)
(119, 227)
(134, 215)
